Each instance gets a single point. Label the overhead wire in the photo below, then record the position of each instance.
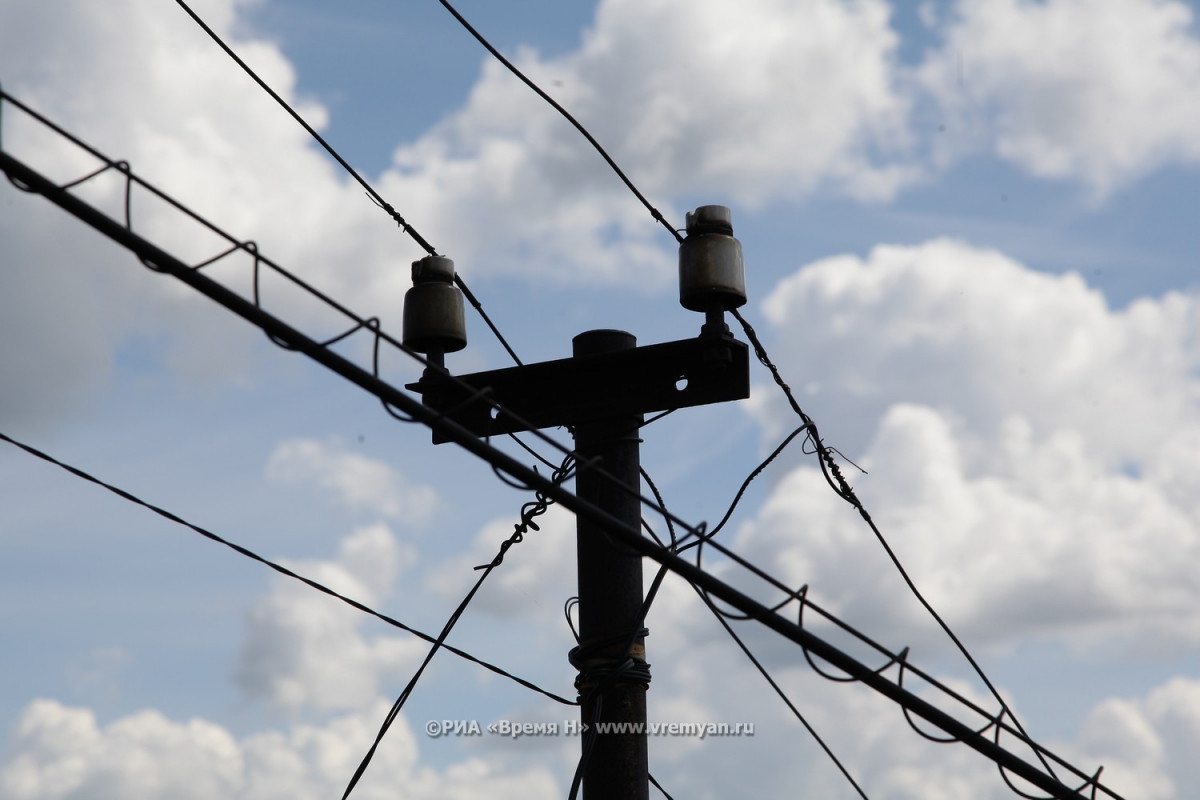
(829, 466)
(722, 616)
(282, 570)
(376, 198)
(28, 180)
(529, 512)
(837, 481)
(654, 212)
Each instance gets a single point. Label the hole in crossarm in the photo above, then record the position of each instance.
(681, 383)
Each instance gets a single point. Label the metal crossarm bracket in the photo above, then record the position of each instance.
(568, 391)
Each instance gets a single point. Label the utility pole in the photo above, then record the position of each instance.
(610, 598)
(602, 394)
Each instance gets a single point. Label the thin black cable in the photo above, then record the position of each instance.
(737, 498)
(654, 212)
(409, 229)
(658, 786)
(834, 477)
(395, 623)
(721, 616)
(412, 683)
(778, 690)
(374, 195)
(528, 512)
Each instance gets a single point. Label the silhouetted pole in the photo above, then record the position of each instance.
(610, 598)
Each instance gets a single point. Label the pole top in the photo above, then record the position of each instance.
(604, 340)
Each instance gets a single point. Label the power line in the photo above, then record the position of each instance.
(837, 481)
(721, 617)
(654, 212)
(282, 570)
(528, 512)
(374, 195)
(828, 466)
(280, 333)
(288, 336)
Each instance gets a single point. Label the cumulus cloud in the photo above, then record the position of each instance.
(144, 84)
(1014, 429)
(538, 571)
(770, 102)
(58, 752)
(1097, 92)
(360, 483)
(305, 651)
(975, 334)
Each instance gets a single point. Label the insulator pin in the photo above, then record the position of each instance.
(711, 273)
(434, 321)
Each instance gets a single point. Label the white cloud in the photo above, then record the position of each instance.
(537, 572)
(1045, 543)
(58, 752)
(305, 651)
(1149, 743)
(975, 334)
(1097, 92)
(1019, 439)
(360, 483)
(143, 83)
(770, 102)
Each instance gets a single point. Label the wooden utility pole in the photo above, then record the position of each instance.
(610, 599)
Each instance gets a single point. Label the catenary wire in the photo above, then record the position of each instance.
(374, 195)
(29, 180)
(160, 261)
(721, 617)
(282, 570)
(654, 212)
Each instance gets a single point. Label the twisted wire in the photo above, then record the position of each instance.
(837, 481)
(528, 512)
(531, 510)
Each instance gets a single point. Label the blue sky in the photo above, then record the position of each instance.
(971, 246)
